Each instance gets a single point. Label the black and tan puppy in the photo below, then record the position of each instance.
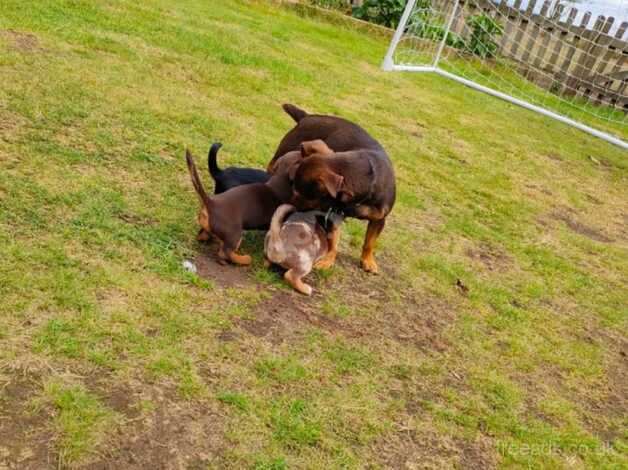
(245, 207)
(356, 179)
(232, 176)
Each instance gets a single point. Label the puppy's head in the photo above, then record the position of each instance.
(288, 164)
(306, 149)
(315, 185)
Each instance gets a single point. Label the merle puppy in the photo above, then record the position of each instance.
(232, 176)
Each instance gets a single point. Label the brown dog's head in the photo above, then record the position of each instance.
(316, 184)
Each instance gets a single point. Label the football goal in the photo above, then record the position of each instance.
(546, 56)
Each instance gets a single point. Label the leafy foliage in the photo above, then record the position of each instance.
(384, 12)
(335, 4)
(482, 39)
(425, 23)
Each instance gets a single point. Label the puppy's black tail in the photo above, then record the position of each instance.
(196, 180)
(212, 163)
(295, 113)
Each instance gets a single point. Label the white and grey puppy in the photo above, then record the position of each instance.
(296, 240)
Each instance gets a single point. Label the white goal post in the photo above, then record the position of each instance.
(544, 57)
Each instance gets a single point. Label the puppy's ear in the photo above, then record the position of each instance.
(314, 146)
(333, 183)
(292, 171)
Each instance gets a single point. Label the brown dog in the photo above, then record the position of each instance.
(357, 179)
(245, 207)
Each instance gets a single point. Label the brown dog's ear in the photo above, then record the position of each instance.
(314, 146)
(333, 183)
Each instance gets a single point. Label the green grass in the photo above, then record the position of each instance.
(98, 101)
(81, 419)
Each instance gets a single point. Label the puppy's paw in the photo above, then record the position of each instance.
(306, 289)
(242, 260)
(369, 265)
(327, 261)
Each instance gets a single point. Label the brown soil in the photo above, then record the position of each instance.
(431, 451)
(173, 436)
(19, 41)
(227, 275)
(581, 229)
(407, 319)
(26, 438)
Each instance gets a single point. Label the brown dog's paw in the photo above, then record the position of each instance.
(327, 261)
(369, 265)
(242, 260)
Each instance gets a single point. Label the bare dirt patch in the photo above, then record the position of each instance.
(26, 436)
(377, 305)
(581, 229)
(280, 316)
(429, 450)
(20, 41)
(227, 275)
(173, 436)
(492, 257)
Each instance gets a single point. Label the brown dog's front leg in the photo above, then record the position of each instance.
(373, 230)
(327, 261)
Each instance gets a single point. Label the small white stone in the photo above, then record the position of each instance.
(189, 266)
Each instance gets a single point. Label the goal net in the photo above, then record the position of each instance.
(547, 56)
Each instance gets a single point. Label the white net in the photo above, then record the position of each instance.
(548, 53)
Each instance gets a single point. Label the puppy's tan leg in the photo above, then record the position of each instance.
(226, 254)
(203, 235)
(267, 263)
(242, 260)
(293, 278)
(327, 261)
(373, 230)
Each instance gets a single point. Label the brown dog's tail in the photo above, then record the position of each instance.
(196, 181)
(295, 113)
(279, 217)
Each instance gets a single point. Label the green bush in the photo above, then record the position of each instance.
(384, 12)
(343, 5)
(425, 23)
(484, 29)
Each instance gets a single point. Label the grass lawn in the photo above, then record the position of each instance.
(113, 356)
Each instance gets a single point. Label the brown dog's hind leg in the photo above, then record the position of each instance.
(327, 261)
(293, 277)
(228, 253)
(373, 230)
(242, 260)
